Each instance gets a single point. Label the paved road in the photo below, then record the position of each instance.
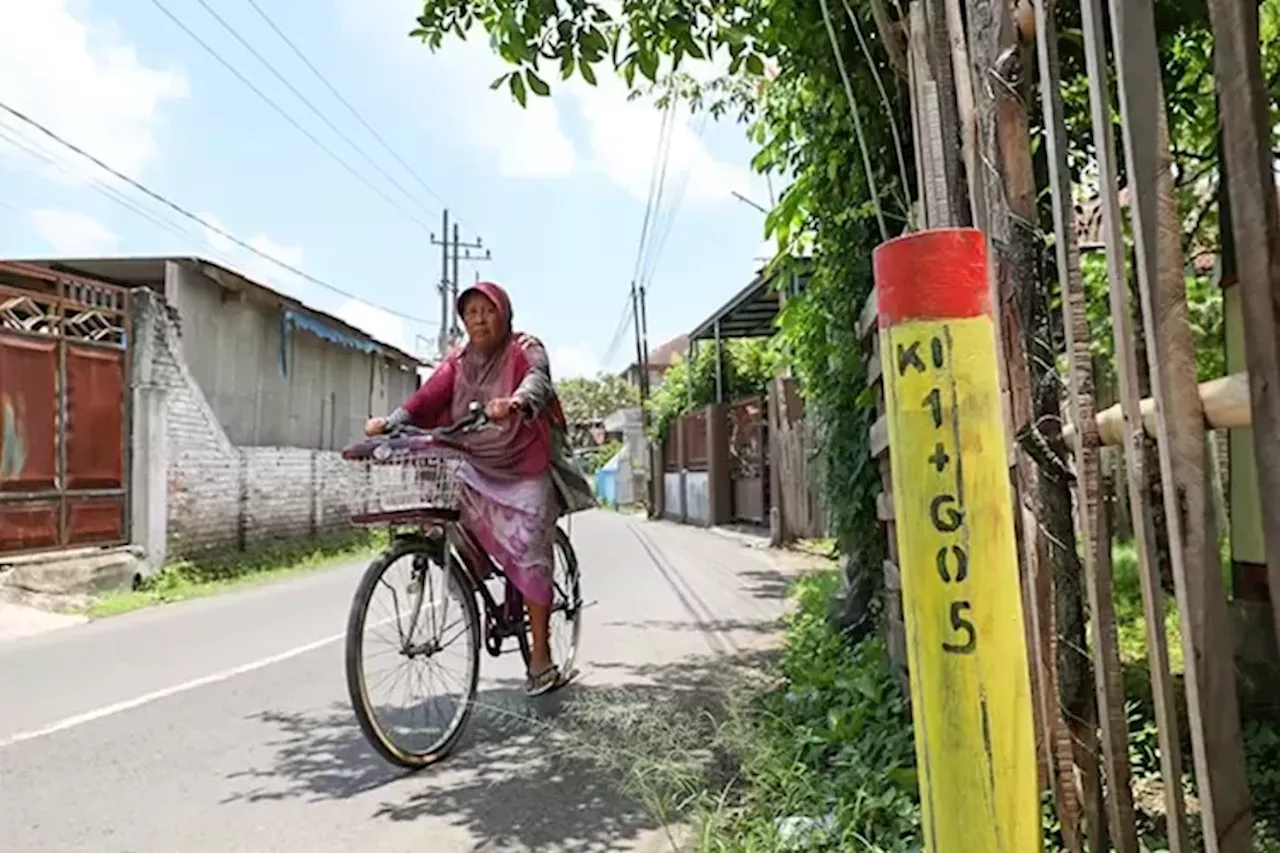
(223, 724)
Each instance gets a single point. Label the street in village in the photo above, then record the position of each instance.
(223, 724)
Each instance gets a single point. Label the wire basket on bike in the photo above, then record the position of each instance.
(403, 479)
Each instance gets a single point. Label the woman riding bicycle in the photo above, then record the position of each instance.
(519, 477)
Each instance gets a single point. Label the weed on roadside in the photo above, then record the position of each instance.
(814, 753)
(826, 757)
(219, 571)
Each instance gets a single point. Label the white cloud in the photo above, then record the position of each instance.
(378, 323)
(568, 362)
(526, 142)
(83, 82)
(621, 138)
(72, 233)
(253, 265)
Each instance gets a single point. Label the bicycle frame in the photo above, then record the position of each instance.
(501, 619)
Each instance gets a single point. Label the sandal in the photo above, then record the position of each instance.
(542, 682)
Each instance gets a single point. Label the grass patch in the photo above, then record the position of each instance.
(220, 571)
(825, 548)
(812, 751)
(1131, 630)
(821, 756)
(1261, 739)
(826, 757)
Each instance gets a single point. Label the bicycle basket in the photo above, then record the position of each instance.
(402, 480)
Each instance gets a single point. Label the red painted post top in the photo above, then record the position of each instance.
(940, 274)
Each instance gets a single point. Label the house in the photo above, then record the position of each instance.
(747, 461)
(203, 409)
(660, 360)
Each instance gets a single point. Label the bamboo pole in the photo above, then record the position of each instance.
(1130, 408)
(1212, 704)
(1255, 224)
(1108, 676)
(1225, 402)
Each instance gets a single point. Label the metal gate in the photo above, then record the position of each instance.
(64, 411)
(748, 460)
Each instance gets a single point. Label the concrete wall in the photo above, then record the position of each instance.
(697, 490)
(217, 494)
(673, 495)
(233, 348)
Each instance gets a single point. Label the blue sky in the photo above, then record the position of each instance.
(558, 191)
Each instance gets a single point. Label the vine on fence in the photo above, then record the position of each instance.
(746, 368)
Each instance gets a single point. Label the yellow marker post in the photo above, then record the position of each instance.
(966, 646)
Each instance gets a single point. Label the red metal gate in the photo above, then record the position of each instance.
(63, 411)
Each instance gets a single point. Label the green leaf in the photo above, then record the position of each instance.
(566, 66)
(588, 73)
(594, 45)
(496, 84)
(648, 61)
(537, 84)
(518, 90)
(755, 64)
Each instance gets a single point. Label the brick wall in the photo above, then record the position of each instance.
(223, 496)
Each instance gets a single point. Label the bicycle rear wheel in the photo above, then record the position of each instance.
(566, 606)
(431, 608)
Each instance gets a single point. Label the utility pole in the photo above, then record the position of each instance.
(443, 341)
(452, 253)
(642, 365)
(644, 351)
(641, 382)
(462, 252)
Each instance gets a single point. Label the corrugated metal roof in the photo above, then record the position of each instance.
(149, 272)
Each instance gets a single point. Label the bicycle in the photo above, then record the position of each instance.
(411, 484)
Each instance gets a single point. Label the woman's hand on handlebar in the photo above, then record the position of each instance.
(503, 408)
(375, 426)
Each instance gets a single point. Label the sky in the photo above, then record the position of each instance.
(557, 191)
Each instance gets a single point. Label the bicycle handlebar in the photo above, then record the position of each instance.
(474, 418)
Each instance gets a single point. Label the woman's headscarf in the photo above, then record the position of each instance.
(518, 447)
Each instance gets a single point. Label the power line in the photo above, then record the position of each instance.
(346, 103)
(267, 99)
(664, 230)
(199, 220)
(109, 192)
(665, 160)
(307, 101)
(663, 136)
(619, 333)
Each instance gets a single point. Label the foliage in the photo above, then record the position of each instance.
(592, 461)
(833, 739)
(1204, 309)
(746, 368)
(586, 401)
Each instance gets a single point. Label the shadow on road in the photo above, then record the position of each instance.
(720, 626)
(569, 772)
(767, 583)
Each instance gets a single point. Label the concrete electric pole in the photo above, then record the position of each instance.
(451, 253)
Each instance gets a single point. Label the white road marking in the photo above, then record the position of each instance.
(148, 698)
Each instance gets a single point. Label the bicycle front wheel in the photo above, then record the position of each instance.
(413, 630)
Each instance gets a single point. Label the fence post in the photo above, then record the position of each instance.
(682, 465)
(719, 466)
(970, 687)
